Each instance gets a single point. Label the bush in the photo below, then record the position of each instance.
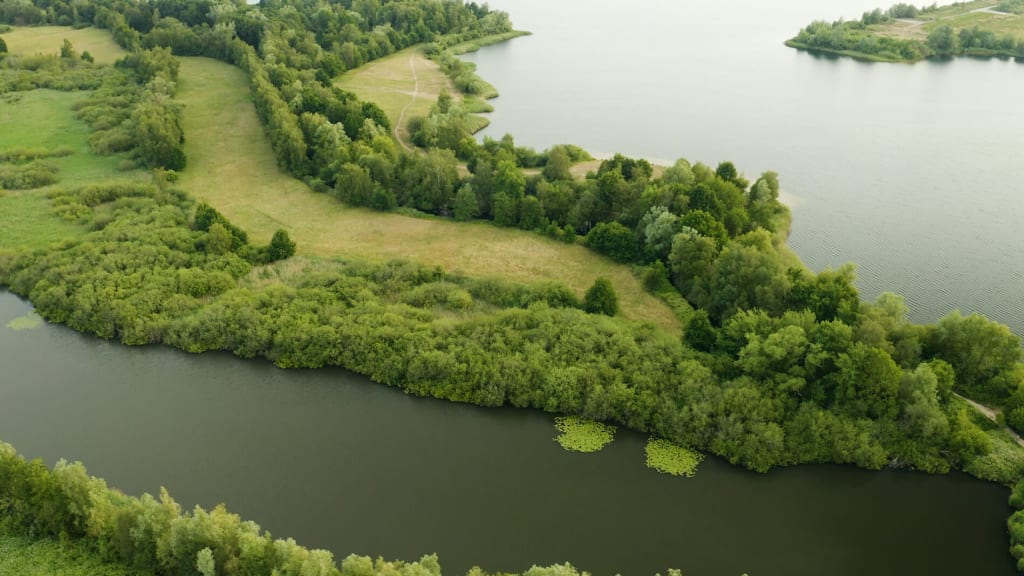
(601, 298)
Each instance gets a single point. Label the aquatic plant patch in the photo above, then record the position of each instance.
(669, 458)
(582, 435)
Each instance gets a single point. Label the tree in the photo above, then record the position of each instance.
(601, 298)
(978, 349)
(614, 240)
(205, 562)
(466, 205)
(281, 246)
(218, 239)
(3, 46)
(944, 41)
(558, 164)
(67, 50)
(659, 227)
(503, 209)
(679, 173)
(531, 213)
(354, 185)
(700, 334)
(867, 383)
(690, 260)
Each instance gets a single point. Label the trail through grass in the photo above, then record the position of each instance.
(48, 40)
(405, 85)
(979, 13)
(231, 166)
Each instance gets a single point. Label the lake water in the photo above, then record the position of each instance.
(339, 462)
(914, 172)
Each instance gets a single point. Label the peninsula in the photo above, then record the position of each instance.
(906, 33)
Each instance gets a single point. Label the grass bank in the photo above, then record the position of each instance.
(48, 40)
(474, 45)
(232, 167)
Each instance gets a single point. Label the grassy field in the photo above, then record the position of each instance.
(405, 85)
(44, 119)
(965, 15)
(232, 167)
(48, 39)
(24, 557)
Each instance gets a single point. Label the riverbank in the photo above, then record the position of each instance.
(907, 34)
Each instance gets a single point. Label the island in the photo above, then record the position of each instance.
(906, 33)
(201, 174)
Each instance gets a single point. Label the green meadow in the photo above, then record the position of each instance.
(231, 166)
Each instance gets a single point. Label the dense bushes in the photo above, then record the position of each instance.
(35, 174)
(762, 390)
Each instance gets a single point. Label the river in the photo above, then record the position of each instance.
(911, 171)
(341, 463)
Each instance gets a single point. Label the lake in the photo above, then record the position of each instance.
(341, 463)
(911, 171)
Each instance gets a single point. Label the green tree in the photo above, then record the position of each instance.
(509, 179)
(205, 562)
(503, 209)
(867, 383)
(699, 333)
(978, 349)
(466, 205)
(558, 165)
(944, 41)
(218, 239)
(3, 46)
(67, 50)
(614, 240)
(690, 260)
(281, 246)
(531, 213)
(601, 299)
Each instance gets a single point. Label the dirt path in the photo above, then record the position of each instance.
(992, 414)
(415, 95)
(991, 10)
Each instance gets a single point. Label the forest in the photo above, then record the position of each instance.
(775, 366)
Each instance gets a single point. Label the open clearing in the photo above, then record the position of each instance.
(979, 13)
(48, 40)
(405, 85)
(232, 167)
(44, 119)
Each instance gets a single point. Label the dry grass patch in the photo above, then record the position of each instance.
(231, 166)
(48, 40)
